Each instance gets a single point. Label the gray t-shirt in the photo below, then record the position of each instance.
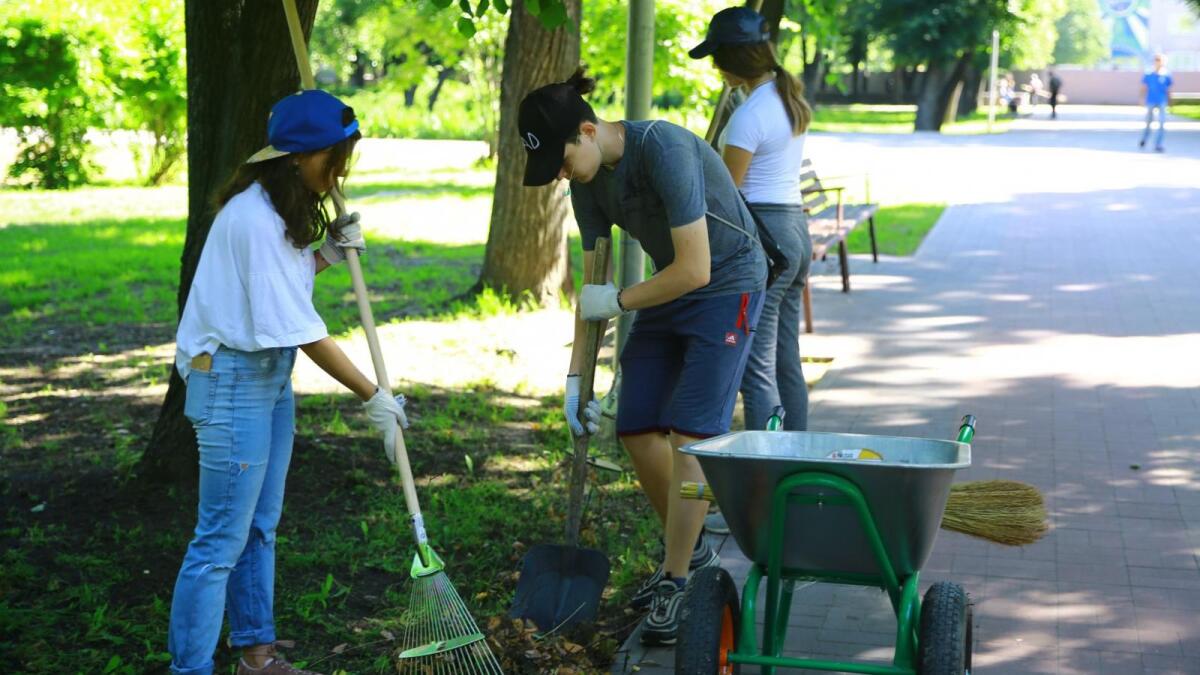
(669, 177)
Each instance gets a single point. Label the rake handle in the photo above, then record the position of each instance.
(360, 292)
(593, 335)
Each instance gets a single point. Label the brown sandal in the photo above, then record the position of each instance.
(277, 665)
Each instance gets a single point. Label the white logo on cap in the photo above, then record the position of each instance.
(530, 141)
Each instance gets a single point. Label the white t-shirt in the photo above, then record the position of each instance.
(760, 126)
(252, 289)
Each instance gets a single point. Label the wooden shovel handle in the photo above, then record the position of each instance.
(593, 335)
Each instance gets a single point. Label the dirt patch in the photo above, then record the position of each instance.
(90, 554)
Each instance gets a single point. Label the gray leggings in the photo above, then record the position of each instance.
(773, 373)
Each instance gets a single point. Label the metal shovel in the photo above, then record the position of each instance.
(560, 584)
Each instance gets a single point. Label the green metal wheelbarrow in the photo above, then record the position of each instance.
(802, 510)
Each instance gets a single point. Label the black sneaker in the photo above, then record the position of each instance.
(662, 624)
(702, 556)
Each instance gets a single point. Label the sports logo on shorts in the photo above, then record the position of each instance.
(531, 142)
(731, 339)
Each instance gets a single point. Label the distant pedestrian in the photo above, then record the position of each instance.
(1035, 88)
(1055, 87)
(1156, 91)
(1008, 94)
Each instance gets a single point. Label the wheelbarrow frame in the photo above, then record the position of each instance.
(781, 583)
(903, 591)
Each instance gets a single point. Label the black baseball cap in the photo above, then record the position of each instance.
(547, 118)
(733, 26)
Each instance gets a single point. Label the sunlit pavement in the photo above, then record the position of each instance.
(1056, 300)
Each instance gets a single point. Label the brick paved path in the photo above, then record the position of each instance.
(1059, 301)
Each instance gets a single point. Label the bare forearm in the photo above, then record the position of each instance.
(577, 345)
(673, 282)
(331, 359)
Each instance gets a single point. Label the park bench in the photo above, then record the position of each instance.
(829, 223)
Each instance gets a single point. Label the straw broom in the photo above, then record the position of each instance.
(441, 634)
(1002, 511)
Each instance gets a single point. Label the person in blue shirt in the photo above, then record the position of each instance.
(1156, 91)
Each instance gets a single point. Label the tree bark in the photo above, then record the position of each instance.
(239, 62)
(443, 75)
(938, 84)
(525, 250)
(812, 76)
(968, 103)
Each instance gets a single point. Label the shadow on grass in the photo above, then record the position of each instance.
(89, 556)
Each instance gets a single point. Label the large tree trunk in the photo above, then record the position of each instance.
(525, 251)
(813, 75)
(936, 90)
(239, 62)
(968, 102)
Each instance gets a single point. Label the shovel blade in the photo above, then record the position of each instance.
(560, 585)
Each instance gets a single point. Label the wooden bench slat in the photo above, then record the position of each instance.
(830, 221)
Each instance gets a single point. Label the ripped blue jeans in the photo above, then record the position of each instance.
(244, 415)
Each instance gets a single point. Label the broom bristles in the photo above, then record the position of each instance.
(436, 614)
(1004, 511)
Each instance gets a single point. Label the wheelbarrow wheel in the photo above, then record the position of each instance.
(709, 620)
(945, 630)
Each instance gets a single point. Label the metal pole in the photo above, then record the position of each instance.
(992, 80)
(639, 72)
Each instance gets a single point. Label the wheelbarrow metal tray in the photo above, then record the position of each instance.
(906, 492)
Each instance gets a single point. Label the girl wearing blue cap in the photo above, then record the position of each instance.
(763, 149)
(695, 319)
(248, 311)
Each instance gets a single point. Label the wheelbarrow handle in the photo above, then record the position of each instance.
(966, 430)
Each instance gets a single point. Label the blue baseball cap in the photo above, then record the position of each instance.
(733, 26)
(303, 122)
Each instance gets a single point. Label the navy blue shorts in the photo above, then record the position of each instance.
(683, 363)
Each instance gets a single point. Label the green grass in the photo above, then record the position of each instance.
(899, 230)
(1190, 110)
(893, 119)
(110, 256)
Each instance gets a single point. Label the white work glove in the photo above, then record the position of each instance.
(386, 412)
(344, 232)
(591, 412)
(597, 302)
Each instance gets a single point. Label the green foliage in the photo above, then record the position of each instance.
(48, 84)
(1083, 35)
(151, 81)
(679, 25)
(65, 71)
(938, 31)
(384, 115)
(1030, 40)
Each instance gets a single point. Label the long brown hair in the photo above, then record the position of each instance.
(302, 210)
(751, 62)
